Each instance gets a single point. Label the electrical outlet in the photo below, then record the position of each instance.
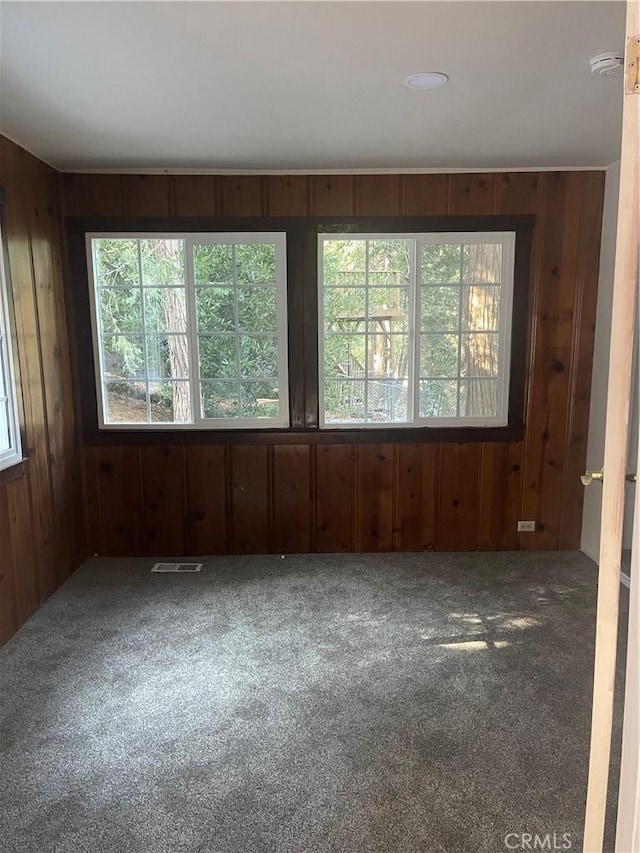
(526, 526)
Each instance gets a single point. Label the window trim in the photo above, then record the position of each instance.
(190, 239)
(302, 234)
(14, 455)
(431, 238)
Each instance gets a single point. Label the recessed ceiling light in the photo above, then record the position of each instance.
(425, 80)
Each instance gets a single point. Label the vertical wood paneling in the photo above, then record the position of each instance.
(420, 496)
(498, 500)
(146, 195)
(334, 498)
(585, 296)
(99, 195)
(74, 506)
(241, 196)
(26, 593)
(291, 500)
(206, 491)
(195, 195)
(550, 356)
(287, 195)
(424, 195)
(374, 497)
(8, 587)
(415, 496)
(163, 500)
(543, 462)
(517, 192)
(91, 500)
(378, 195)
(118, 474)
(54, 353)
(249, 500)
(410, 498)
(459, 499)
(472, 194)
(41, 524)
(332, 195)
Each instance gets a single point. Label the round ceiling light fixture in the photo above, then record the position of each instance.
(425, 80)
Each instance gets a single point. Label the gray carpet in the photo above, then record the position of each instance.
(386, 704)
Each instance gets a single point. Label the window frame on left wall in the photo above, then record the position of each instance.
(9, 387)
(189, 241)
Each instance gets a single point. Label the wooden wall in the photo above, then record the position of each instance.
(41, 529)
(210, 499)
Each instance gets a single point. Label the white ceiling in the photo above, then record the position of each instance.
(310, 86)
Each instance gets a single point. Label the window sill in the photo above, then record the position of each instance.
(13, 472)
(312, 435)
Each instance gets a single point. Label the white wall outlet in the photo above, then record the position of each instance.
(526, 526)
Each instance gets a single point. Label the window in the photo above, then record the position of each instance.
(10, 446)
(415, 329)
(219, 330)
(189, 330)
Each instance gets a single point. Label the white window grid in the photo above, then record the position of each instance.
(190, 240)
(507, 239)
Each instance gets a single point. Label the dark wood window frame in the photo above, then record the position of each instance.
(302, 307)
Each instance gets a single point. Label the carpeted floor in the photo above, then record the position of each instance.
(425, 703)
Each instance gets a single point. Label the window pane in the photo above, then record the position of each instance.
(344, 401)
(440, 264)
(167, 357)
(216, 309)
(439, 355)
(387, 355)
(5, 430)
(479, 398)
(440, 309)
(259, 399)
(148, 345)
(123, 357)
(213, 265)
(479, 354)
(344, 262)
(387, 400)
(165, 309)
(257, 309)
(438, 398)
(482, 263)
(256, 264)
(258, 355)
(387, 388)
(162, 262)
(120, 310)
(170, 402)
(481, 308)
(344, 309)
(366, 374)
(116, 263)
(389, 262)
(220, 399)
(126, 402)
(218, 356)
(388, 309)
(344, 356)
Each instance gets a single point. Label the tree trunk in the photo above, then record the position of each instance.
(174, 308)
(173, 305)
(484, 266)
